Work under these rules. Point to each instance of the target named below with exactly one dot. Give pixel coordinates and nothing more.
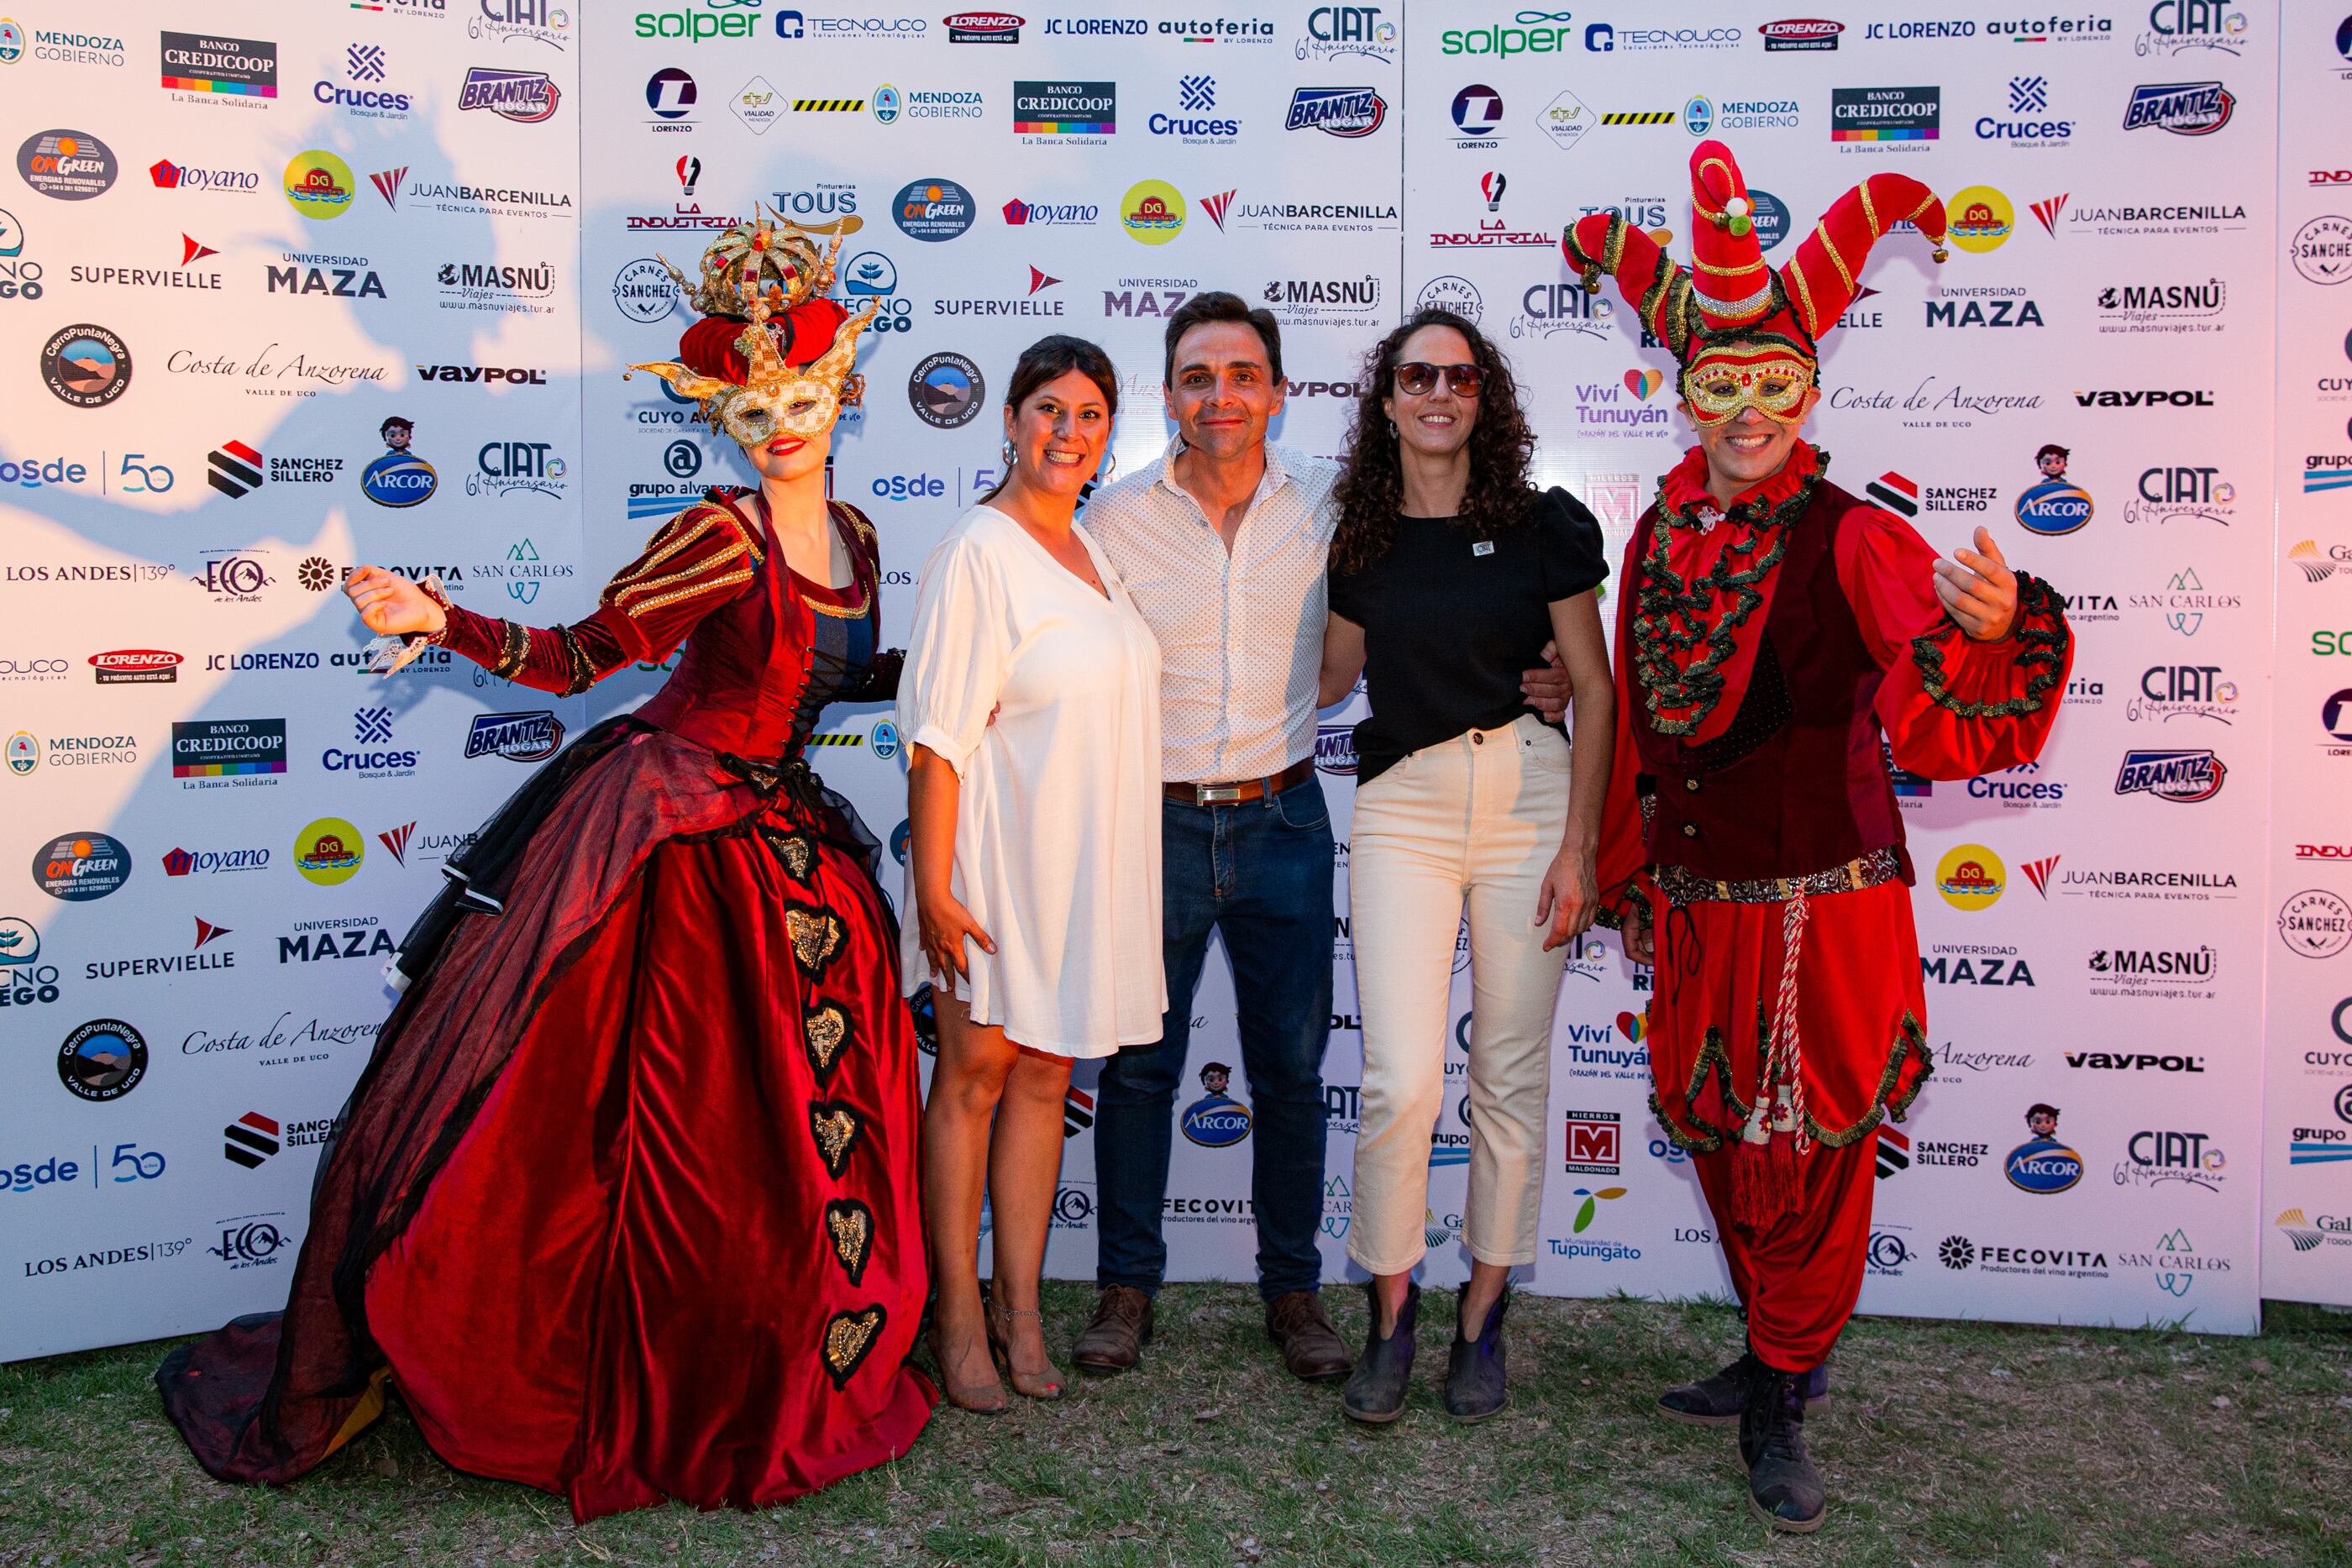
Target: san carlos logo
(2042, 1165)
(1216, 1120)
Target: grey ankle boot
(1475, 1386)
(1375, 1389)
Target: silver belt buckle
(1215, 794)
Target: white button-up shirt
(1241, 632)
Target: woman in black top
(1449, 574)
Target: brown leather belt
(1243, 790)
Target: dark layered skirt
(625, 1204)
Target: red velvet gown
(1797, 641)
(624, 1203)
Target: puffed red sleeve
(1952, 706)
(701, 560)
(1623, 862)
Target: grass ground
(1945, 1443)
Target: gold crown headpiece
(767, 270)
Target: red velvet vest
(1798, 783)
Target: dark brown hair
(1214, 305)
(1371, 488)
(1047, 359)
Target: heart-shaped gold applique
(851, 1225)
(836, 1128)
(849, 1336)
(817, 936)
(826, 1029)
(797, 853)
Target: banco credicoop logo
(1216, 1120)
(2056, 505)
(399, 477)
(2042, 1165)
(102, 1060)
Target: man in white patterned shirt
(1223, 544)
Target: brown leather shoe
(1113, 1339)
(1311, 1347)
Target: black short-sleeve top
(1454, 614)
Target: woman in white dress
(1031, 703)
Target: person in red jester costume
(1771, 629)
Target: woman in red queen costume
(1771, 630)
(624, 1203)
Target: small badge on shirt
(1484, 547)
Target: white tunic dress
(1057, 820)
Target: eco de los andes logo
(102, 1060)
(79, 867)
(85, 365)
(1216, 1120)
(2042, 1165)
(399, 477)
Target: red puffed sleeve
(701, 560)
(1624, 864)
(1952, 708)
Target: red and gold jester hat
(772, 352)
(1745, 334)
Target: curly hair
(1370, 487)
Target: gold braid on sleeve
(583, 668)
(514, 650)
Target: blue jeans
(1261, 873)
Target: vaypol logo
(1216, 1120)
(2042, 1165)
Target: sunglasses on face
(1415, 379)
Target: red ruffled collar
(1686, 497)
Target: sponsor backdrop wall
(309, 289)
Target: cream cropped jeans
(1477, 819)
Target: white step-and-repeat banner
(299, 291)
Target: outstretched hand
(391, 605)
(1979, 590)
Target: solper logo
(1971, 877)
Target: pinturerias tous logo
(1216, 1120)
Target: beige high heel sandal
(1029, 1385)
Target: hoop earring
(1108, 466)
(1012, 458)
(1395, 433)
